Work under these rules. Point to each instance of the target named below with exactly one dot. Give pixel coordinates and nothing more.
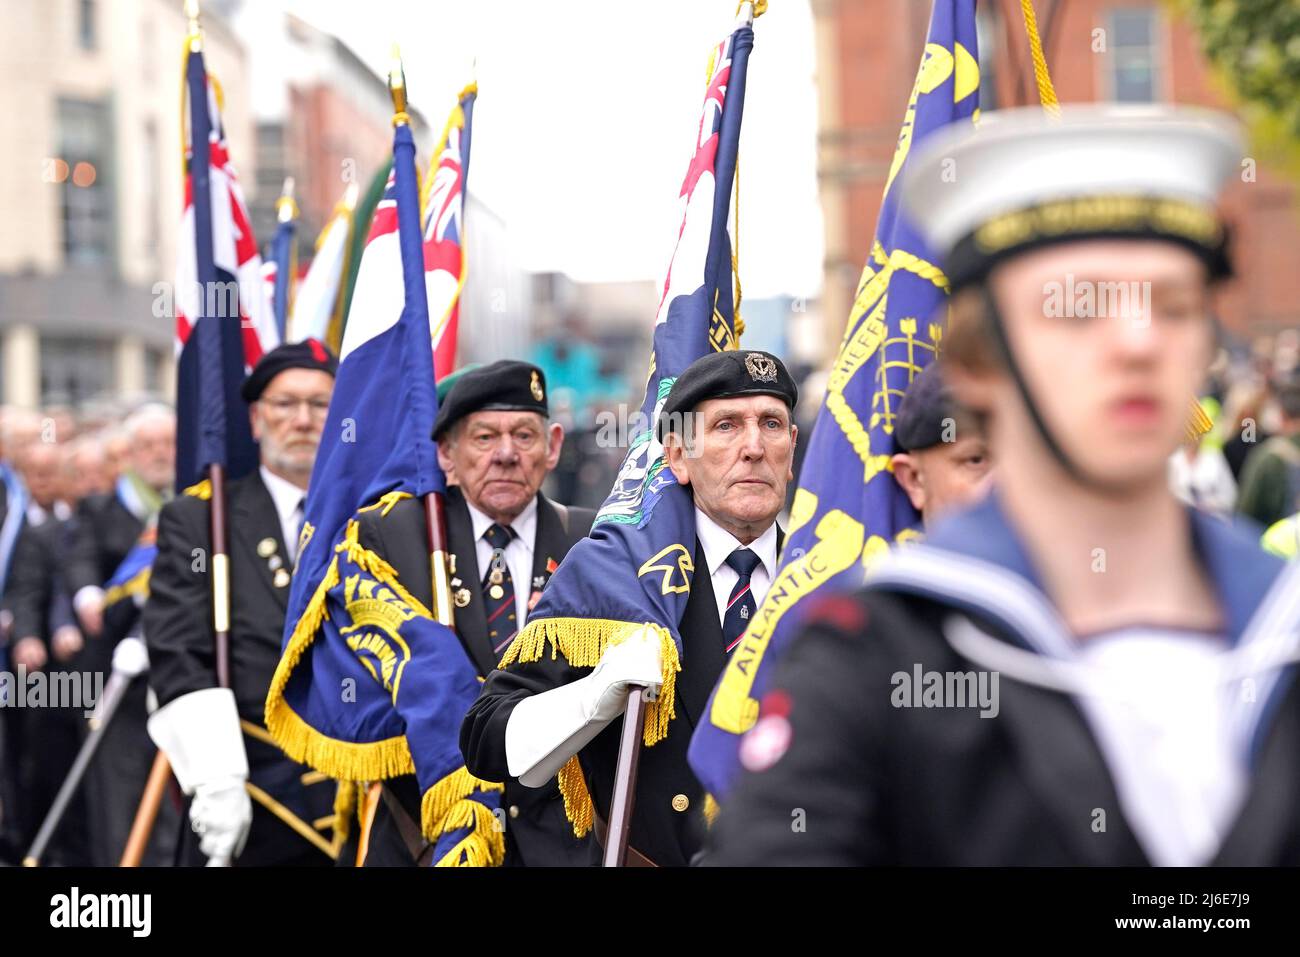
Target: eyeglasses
(283, 406)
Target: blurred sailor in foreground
(1079, 670)
(213, 736)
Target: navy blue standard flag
(369, 685)
(637, 565)
(848, 508)
(223, 325)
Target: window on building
(86, 24)
(85, 143)
(151, 173)
(155, 370)
(75, 371)
(1134, 66)
(986, 30)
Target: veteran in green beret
(496, 445)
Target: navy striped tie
(500, 610)
(741, 605)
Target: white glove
(199, 732)
(131, 657)
(547, 729)
(634, 661)
(220, 815)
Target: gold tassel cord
(345, 806)
(1046, 91)
(578, 807)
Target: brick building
(1097, 50)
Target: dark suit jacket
(178, 630)
(668, 824)
(37, 592)
(106, 531)
(537, 832)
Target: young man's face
(1113, 338)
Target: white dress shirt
(288, 499)
(1164, 729)
(36, 515)
(718, 543)
(518, 554)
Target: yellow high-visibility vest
(1283, 538)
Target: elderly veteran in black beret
(727, 434)
(214, 737)
(944, 461)
(496, 445)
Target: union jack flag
(234, 248)
(444, 211)
(224, 320)
(379, 283)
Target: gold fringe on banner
(710, 809)
(483, 846)
(582, 642)
(577, 799)
(446, 806)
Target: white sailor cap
(1022, 179)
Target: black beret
(926, 404)
(721, 375)
(308, 354)
(504, 385)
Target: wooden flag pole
(154, 788)
(629, 759)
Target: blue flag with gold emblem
(848, 507)
(369, 685)
(636, 566)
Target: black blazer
(537, 832)
(37, 592)
(668, 824)
(178, 630)
(106, 531)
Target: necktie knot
(743, 561)
(498, 535)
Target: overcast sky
(585, 119)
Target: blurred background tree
(1254, 46)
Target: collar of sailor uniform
(980, 544)
(975, 563)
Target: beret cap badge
(760, 367)
(535, 386)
